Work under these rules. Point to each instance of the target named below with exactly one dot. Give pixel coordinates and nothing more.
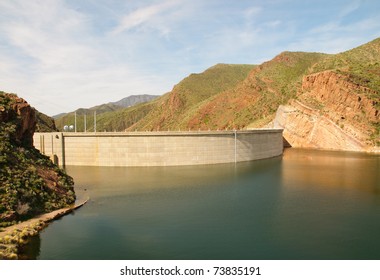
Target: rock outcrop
(330, 112)
(25, 116)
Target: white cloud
(337, 25)
(325, 28)
(46, 31)
(252, 12)
(55, 62)
(274, 23)
(353, 24)
(349, 8)
(84, 53)
(148, 15)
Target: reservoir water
(304, 205)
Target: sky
(61, 55)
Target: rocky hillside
(253, 102)
(338, 104)
(222, 97)
(30, 183)
(175, 110)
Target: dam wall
(159, 148)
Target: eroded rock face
(331, 112)
(27, 122)
(341, 95)
(306, 128)
(24, 116)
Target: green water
(305, 205)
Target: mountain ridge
(132, 100)
(252, 102)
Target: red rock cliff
(331, 112)
(25, 117)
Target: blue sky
(64, 54)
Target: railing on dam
(159, 148)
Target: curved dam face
(159, 148)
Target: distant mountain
(134, 100)
(68, 118)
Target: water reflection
(32, 250)
(112, 181)
(308, 204)
(327, 170)
(332, 200)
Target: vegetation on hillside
(30, 183)
(69, 118)
(45, 123)
(122, 119)
(172, 110)
(254, 101)
(216, 79)
(361, 65)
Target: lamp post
(95, 121)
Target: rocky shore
(13, 238)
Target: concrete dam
(159, 148)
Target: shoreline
(15, 236)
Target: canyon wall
(331, 112)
